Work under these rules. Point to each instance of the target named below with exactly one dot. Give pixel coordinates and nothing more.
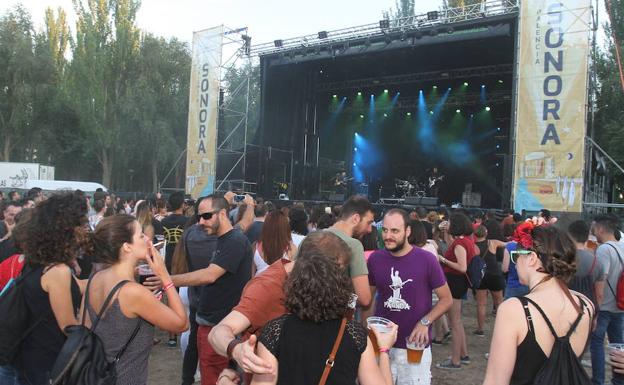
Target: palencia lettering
(553, 61)
(203, 109)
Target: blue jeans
(611, 324)
(8, 375)
(518, 291)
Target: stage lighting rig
(384, 24)
(322, 35)
(433, 15)
(279, 43)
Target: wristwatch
(425, 322)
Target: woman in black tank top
(51, 236)
(525, 329)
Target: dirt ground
(166, 363)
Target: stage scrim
(203, 112)
(551, 104)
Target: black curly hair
(55, 230)
(318, 289)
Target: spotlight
(458, 111)
(449, 88)
(433, 15)
(359, 93)
(354, 164)
(279, 43)
(409, 114)
(435, 87)
(385, 91)
(420, 91)
(482, 85)
(497, 164)
(372, 95)
(361, 117)
(466, 84)
(498, 146)
(335, 96)
(498, 129)
(322, 35)
(356, 134)
(355, 149)
(487, 109)
(385, 115)
(431, 112)
(384, 24)
(500, 82)
(321, 71)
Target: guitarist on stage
(433, 185)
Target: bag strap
(107, 301)
(329, 363)
(550, 326)
(134, 334)
(578, 318)
(620, 258)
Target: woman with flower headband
(525, 329)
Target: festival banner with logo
(551, 104)
(201, 155)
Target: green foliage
(96, 104)
(610, 95)
(235, 99)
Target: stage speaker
(471, 199)
(421, 201)
(336, 198)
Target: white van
(49, 186)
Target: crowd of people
(259, 293)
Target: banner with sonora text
(551, 104)
(201, 155)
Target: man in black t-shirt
(422, 216)
(173, 226)
(255, 230)
(223, 280)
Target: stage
(387, 110)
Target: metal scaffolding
(232, 125)
(411, 24)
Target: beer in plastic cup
(381, 325)
(414, 351)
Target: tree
(610, 96)
(16, 78)
(101, 73)
(159, 103)
(403, 8)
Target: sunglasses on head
(205, 216)
(516, 253)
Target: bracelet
(168, 286)
(231, 346)
(384, 350)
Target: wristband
(231, 346)
(168, 286)
(384, 350)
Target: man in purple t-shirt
(405, 277)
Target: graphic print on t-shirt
(396, 303)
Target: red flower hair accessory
(522, 235)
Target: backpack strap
(552, 329)
(134, 334)
(527, 314)
(107, 301)
(620, 259)
(578, 318)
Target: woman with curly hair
(525, 328)
(51, 239)
(318, 294)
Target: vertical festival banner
(551, 104)
(201, 154)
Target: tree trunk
(154, 176)
(6, 151)
(107, 169)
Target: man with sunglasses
(222, 280)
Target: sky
(267, 20)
